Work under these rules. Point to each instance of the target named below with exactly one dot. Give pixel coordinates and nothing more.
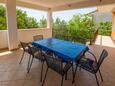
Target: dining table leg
(74, 72)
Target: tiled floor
(14, 74)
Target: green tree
(43, 22)
(105, 25)
(81, 26)
(56, 24)
(105, 28)
(60, 28)
(2, 18)
(23, 20)
(31, 23)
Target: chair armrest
(93, 55)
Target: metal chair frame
(25, 50)
(53, 64)
(39, 56)
(94, 70)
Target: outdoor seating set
(60, 56)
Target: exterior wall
(104, 13)
(109, 9)
(113, 26)
(102, 17)
(106, 8)
(3, 39)
(113, 35)
(25, 35)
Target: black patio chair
(37, 55)
(92, 66)
(25, 50)
(37, 37)
(56, 65)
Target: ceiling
(59, 5)
(52, 3)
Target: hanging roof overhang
(60, 5)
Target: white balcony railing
(25, 35)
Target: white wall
(25, 35)
(102, 17)
(3, 39)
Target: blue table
(68, 51)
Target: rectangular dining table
(66, 50)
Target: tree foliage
(2, 18)
(80, 26)
(105, 25)
(60, 28)
(43, 22)
(105, 28)
(23, 20)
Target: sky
(67, 15)
(63, 15)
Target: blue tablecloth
(68, 51)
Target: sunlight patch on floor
(5, 53)
(104, 41)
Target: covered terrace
(13, 74)
(14, 36)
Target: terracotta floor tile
(32, 82)
(14, 74)
(12, 83)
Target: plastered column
(11, 24)
(49, 19)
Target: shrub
(105, 28)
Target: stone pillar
(49, 21)
(11, 24)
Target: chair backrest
(24, 45)
(37, 37)
(33, 50)
(103, 55)
(57, 64)
(50, 61)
